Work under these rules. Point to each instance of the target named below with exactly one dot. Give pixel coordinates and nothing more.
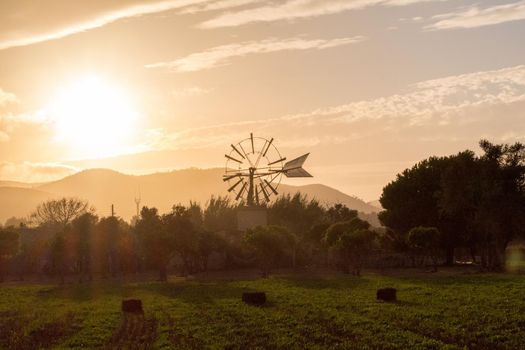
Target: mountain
(376, 204)
(18, 184)
(328, 195)
(103, 188)
(19, 202)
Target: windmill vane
(254, 168)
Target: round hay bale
(254, 298)
(133, 306)
(386, 294)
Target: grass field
(317, 311)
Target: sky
(368, 87)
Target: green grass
(434, 311)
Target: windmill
(254, 169)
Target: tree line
(65, 237)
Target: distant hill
(376, 204)
(19, 202)
(18, 184)
(103, 187)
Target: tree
(270, 243)
(499, 215)
(59, 255)
(57, 214)
(9, 245)
(207, 243)
(459, 199)
(355, 247)
(340, 212)
(82, 230)
(158, 245)
(353, 241)
(60, 212)
(413, 199)
(109, 231)
(298, 215)
(425, 241)
(180, 226)
(220, 215)
(474, 202)
(16, 222)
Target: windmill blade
(294, 168)
(229, 177)
(234, 159)
(241, 191)
(251, 137)
(236, 150)
(277, 161)
(235, 185)
(271, 187)
(266, 196)
(267, 147)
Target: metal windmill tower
(254, 168)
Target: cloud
(440, 97)
(218, 5)
(7, 98)
(190, 92)
(34, 172)
(22, 38)
(297, 9)
(461, 107)
(221, 55)
(474, 16)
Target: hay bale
(386, 294)
(254, 298)
(133, 306)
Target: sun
(93, 117)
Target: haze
(368, 87)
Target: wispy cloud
(218, 5)
(478, 17)
(297, 9)
(99, 19)
(221, 55)
(437, 98)
(34, 172)
(448, 104)
(7, 97)
(190, 92)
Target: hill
(19, 202)
(376, 204)
(18, 184)
(103, 187)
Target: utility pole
(112, 210)
(137, 203)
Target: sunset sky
(367, 86)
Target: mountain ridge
(104, 187)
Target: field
(315, 310)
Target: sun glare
(93, 117)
